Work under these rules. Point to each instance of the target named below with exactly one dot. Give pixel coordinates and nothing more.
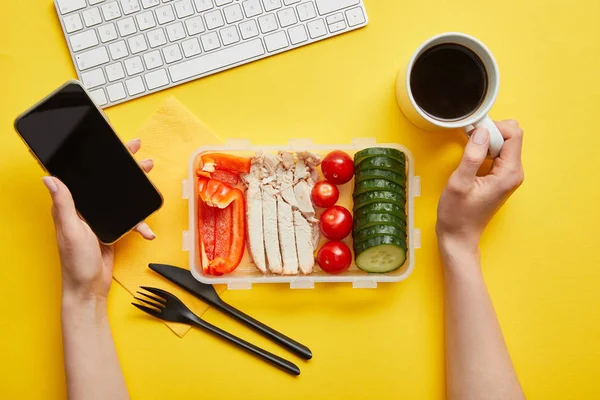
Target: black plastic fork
(167, 307)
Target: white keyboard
(123, 49)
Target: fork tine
(148, 310)
(158, 306)
(156, 299)
(158, 292)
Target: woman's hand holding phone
(87, 264)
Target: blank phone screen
(73, 141)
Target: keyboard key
(114, 72)
(271, 5)
(252, 8)
(156, 79)
(298, 34)
(203, 5)
(107, 32)
(194, 25)
(111, 11)
(172, 53)
(130, 6)
(99, 97)
(217, 60)
(327, 6)
(290, 2)
(286, 17)
(191, 47)
(210, 41)
(175, 31)
(67, 6)
(126, 26)
(135, 86)
(165, 14)
(222, 2)
(146, 20)
(83, 40)
(355, 16)
(73, 23)
(93, 78)
(184, 8)
(233, 13)
(249, 29)
(94, 2)
(306, 11)
(153, 60)
(317, 28)
(332, 19)
(92, 17)
(150, 3)
(137, 44)
(338, 26)
(116, 92)
(118, 50)
(229, 35)
(214, 19)
(91, 58)
(134, 66)
(157, 38)
(276, 41)
(268, 23)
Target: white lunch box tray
(246, 273)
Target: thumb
(475, 153)
(63, 207)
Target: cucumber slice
(367, 174)
(373, 185)
(375, 219)
(380, 255)
(386, 208)
(380, 196)
(379, 162)
(379, 230)
(379, 151)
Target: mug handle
(496, 138)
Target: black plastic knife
(207, 293)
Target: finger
(147, 165)
(63, 207)
(145, 231)
(134, 145)
(513, 144)
(474, 155)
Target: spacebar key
(216, 60)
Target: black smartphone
(73, 141)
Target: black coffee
(449, 81)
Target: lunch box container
(246, 273)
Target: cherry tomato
(334, 257)
(338, 167)
(336, 223)
(324, 194)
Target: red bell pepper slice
(228, 162)
(225, 176)
(228, 263)
(224, 223)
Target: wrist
(81, 309)
(458, 252)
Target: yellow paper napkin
(169, 137)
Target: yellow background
(540, 253)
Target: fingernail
(50, 184)
(480, 136)
(147, 231)
(137, 140)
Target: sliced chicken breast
(287, 237)
(270, 230)
(256, 239)
(284, 176)
(304, 243)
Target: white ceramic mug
(479, 117)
